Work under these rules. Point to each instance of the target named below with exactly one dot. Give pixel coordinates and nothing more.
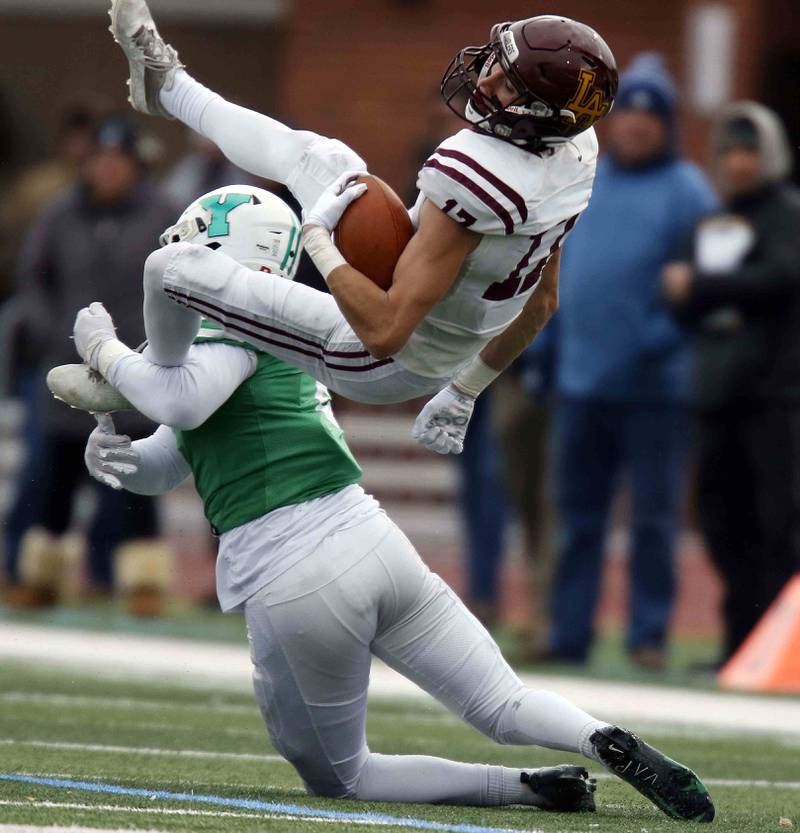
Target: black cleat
(562, 789)
(671, 786)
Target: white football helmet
(250, 225)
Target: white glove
(108, 454)
(93, 327)
(332, 202)
(442, 424)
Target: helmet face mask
(249, 224)
(563, 71)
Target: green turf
(56, 707)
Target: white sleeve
(161, 466)
(186, 395)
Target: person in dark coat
(90, 242)
(622, 369)
(740, 294)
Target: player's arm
(151, 466)
(183, 396)
(385, 319)
(503, 349)
(441, 425)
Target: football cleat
(151, 61)
(562, 789)
(85, 389)
(671, 786)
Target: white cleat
(152, 62)
(80, 387)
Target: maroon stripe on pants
(194, 304)
(179, 296)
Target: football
(373, 231)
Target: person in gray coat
(89, 243)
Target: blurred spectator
(522, 400)
(622, 368)
(201, 170)
(36, 186)
(482, 503)
(90, 244)
(741, 293)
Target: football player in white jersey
(324, 578)
(479, 278)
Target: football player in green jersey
(323, 576)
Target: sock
(547, 719)
(427, 780)
(256, 143)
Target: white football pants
(312, 632)
(293, 322)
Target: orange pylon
(769, 659)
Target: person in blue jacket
(622, 368)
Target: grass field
(119, 737)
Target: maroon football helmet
(563, 71)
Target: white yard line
(195, 663)
(248, 756)
(124, 702)
(725, 782)
(155, 811)
(36, 828)
(144, 750)
(169, 811)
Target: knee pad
(156, 265)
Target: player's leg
(310, 632)
(436, 642)
(305, 162)
(170, 328)
(289, 320)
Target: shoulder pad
(468, 177)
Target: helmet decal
(509, 46)
(252, 226)
(587, 104)
(220, 206)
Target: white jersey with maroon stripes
(523, 205)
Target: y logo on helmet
(219, 225)
(587, 103)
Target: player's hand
(333, 201)
(109, 455)
(93, 327)
(442, 424)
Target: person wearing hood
(740, 294)
(622, 369)
(90, 241)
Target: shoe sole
(671, 786)
(103, 399)
(137, 82)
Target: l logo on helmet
(219, 225)
(587, 103)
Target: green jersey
(274, 443)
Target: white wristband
(322, 250)
(108, 353)
(476, 376)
